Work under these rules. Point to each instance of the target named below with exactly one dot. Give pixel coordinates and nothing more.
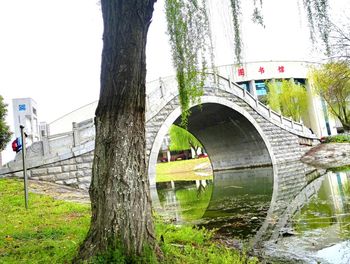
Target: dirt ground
(59, 192)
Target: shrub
(342, 138)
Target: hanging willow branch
(318, 20)
(317, 16)
(257, 16)
(190, 39)
(236, 12)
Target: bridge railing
(277, 118)
(56, 147)
(165, 89)
(81, 133)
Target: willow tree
(181, 139)
(120, 199)
(190, 40)
(331, 82)
(287, 98)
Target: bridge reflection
(236, 198)
(249, 204)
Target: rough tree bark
(119, 191)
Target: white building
(253, 77)
(25, 114)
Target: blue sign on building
(21, 107)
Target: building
(253, 77)
(25, 114)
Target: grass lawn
(50, 232)
(182, 170)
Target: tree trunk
(119, 191)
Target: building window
(244, 85)
(261, 88)
(34, 111)
(300, 81)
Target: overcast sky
(50, 50)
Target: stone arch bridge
(236, 129)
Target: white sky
(50, 49)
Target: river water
(238, 203)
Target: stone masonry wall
(75, 172)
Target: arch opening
(230, 139)
(239, 153)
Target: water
(238, 203)
(322, 226)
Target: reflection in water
(322, 225)
(236, 204)
(184, 201)
(240, 201)
(329, 208)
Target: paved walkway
(59, 192)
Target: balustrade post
(46, 146)
(161, 87)
(76, 139)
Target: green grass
(341, 138)
(191, 245)
(51, 231)
(182, 170)
(48, 232)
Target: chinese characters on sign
(240, 71)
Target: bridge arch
(255, 137)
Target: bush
(342, 138)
